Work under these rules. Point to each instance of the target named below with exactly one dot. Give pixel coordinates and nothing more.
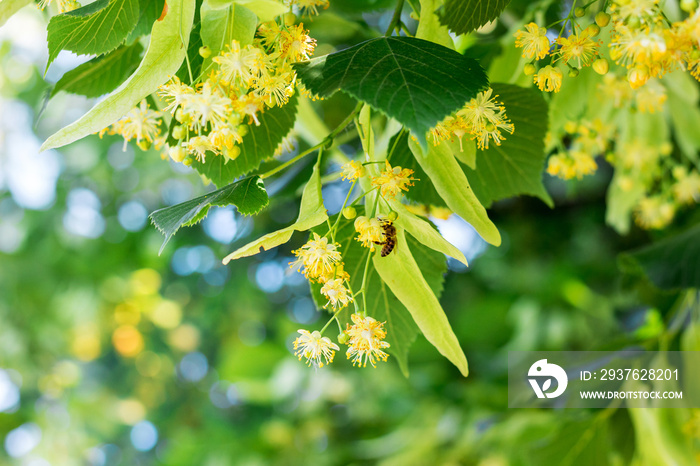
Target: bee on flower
(370, 231)
(393, 180)
(366, 341)
(318, 350)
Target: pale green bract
(164, 56)
(311, 213)
(404, 278)
(453, 186)
(10, 7)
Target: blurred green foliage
(120, 356)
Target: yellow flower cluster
(588, 139)
(648, 45)
(213, 115)
(142, 124)
(366, 341)
(483, 118)
(63, 6)
(393, 180)
(308, 7)
(370, 231)
(315, 348)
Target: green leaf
(311, 213)
(404, 277)
(452, 185)
(517, 165)
(670, 263)
(195, 59)
(266, 10)
(248, 195)
(429, 27)
(149, 12)
(102, 74)
(162, 59)
(220, 26)
(259, 144)
(97, 28)
(412, 80)
(10, 7)
(361, 6)
(382, 304)
(463, 16)
(423, 191)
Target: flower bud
(601, 66)
(349, 213)
(144, 144)
(592, 30)
(289, 19)
(393, 215)
(573, 72)
(205, 51)
(602, 19)
(177, 153)
(232, 153)
(179, 132)
(343, 338)
(529, 69)
(579, 12)
(688, 5)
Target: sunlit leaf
(248, 195)
(10, 7)
(311, 213)
(412, 80)
(452, 185)
(162, 59)
(516, 166)
(259, 144)
(101, 75)
(94, 29)
(463, 16)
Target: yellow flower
(686, 189)
(574, 164)
(370, 230)
(207, 106)
(336, 293)
(549, 79)
(63, 6)
(441, 213)
(579, 48)
(392, 181)
(317, 256)
(353, 170)
(140, 123)
(249, 104)
(239, 66)
(650, 98)
(533, 40)
(296, 44)
(654, 212)
(366, 341)
(485, 118)
(174, 93)
(198, 146)
(315, 348)
(275, 89)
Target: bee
(389, 242)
